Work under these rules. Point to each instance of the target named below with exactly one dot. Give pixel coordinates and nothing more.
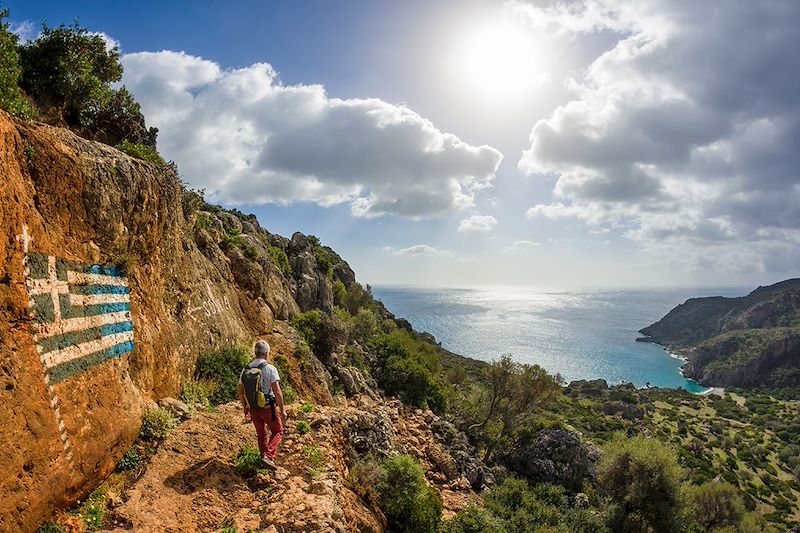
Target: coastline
(709, 390)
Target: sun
(500, 58)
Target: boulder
(625, 410)
(371, 433)
(555, 455)
(176, 407)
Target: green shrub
(12, 99)
(223, 367)
(324, 261)
(715, 504)
(141, 151)
(157, 423)
(306, 407)
(247, 460)
(544, 507)
(473, 519)
(202, 222)
(129, 461)
(280, 260)
(199, 391)
(365, 326)
(289, 394)
(409, 504)
(232, 237)
(303, 427)
(642, 478)
(339, 293)
(316, 460)
(308, 325)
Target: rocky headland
(750, 341)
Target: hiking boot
(269, 463)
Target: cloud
(522, 245)
(685, 131)
(477, 223)
(245, 137)
(418, 250)
(25, 30)
(110, 42)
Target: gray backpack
(252, 379)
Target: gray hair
(261, 348)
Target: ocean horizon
(580, 334)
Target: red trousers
(263, 419)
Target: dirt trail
(192, 485)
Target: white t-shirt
(268, 376)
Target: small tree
(642, 478)
(514, 392)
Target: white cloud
(246, 138)
(685, 132)
(25, 30)
(110, 42)
(477, 223)
(418, 250)
(522, 245)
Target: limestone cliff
(743, 342)
(113, 278)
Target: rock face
(113, 279)
(743, 342)
(558, 456)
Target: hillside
(751, 341)
(387, 430)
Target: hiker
(262, 400)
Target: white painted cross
(51, 286)
(25, 238)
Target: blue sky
(549, 144)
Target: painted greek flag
(81, 314)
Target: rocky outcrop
(737, 342)
(113, 278)
(555, 455)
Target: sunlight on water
(581, 335)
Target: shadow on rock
(210, 472)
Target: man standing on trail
(262, 400)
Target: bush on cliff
(410, 505)
(323, 333)
(223, 367)
(141, 151)
(279, 258)
(406, 367)
(642, 480)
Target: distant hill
(751, 341)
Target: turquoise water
(581, 335)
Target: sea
(578, 334)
